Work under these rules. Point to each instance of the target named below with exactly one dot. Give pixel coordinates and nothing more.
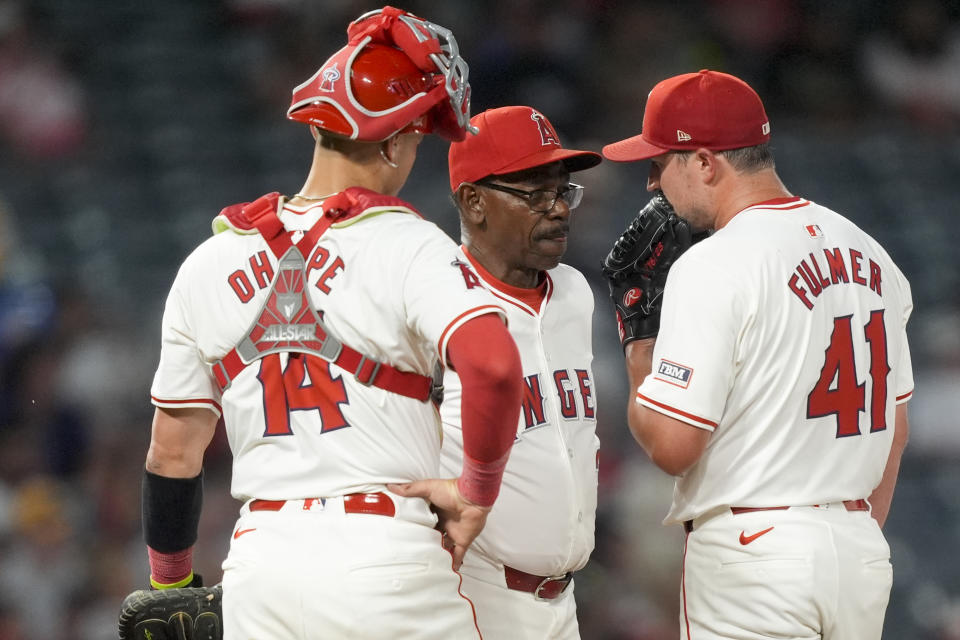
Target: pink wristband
(170, 568)
(479, 482)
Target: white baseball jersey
(784, 335)
(389, 284)
(543, 519)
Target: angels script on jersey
(833, 266)
(533, 411)
(261, 272)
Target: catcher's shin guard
(189, 613)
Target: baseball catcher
(187, 613)
(637, 266)
(327, 484)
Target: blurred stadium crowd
(126, 126)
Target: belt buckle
(222, 376)
(547, 580)
(358, 375)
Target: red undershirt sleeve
(485, 357)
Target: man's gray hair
(750, 159)
(744, 159)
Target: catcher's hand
(637, 267)
(189, 613)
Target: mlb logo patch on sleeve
(673, 373)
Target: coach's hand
(459, 519)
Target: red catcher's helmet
(398, 73)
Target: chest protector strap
(288, 322)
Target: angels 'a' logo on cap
(547, 134)
(683, 136)
(330, 76)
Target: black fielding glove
(187, 613)
(637, 265)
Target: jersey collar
(781, 204)
(531, 297)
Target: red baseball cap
(709, 109)
(511, 139)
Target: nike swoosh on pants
(745, 539)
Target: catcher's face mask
(397, 74)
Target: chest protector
(287, 320)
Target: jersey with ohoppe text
(543, 519)
(387, 283)
(784, 333)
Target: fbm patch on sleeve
(673, 373)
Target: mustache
(554, 233)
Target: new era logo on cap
(709, 109)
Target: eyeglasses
(543, 200)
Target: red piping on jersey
(905, 396)
(677, 411)
(161, 401)
(683, 584)
(532, 297)
(301, 210)
(514, 302)
(473, 609)
(550, 289)
(777, 203)
(487, 308)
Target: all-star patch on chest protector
(287, 322)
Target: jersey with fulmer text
(784, 333)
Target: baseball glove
(189, 613)
(636, 268)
